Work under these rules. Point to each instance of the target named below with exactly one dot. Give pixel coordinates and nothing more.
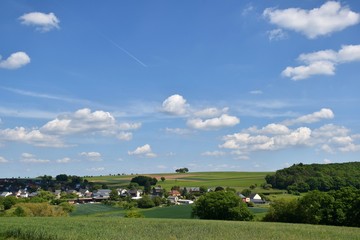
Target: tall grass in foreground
(119, 228)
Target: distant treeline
(336, 207)
(323, 177)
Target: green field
(121, 228)
(238, 180)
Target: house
(193, 190)
(122, 192)
(102, 194)
(173, 199)
(5, 194)
(57, 194)
(174, 193)
(85, 193)
(185, 201)
(243, 198)
(135, 194)
(255, 198)
(157, 191)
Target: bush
(145, 202)
(221, 205)
(133, 214)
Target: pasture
(71, 228)
(237, 180)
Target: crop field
(238, 180)
(64, 228)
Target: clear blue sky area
(107, 87)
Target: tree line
(322, 177)
(336, 207)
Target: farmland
(237, 180)
(122, 228)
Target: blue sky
(96, 88)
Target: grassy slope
(237, 180)
(120, 228)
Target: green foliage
(246, 192)
(36, 210)
(339, 207)
(84, 228)
(8, 202)
(145, 202)
(323, 177)
(67, 207)
(114, 195)
(133, 214)
(143, 180)
(221, 205)
(182, 170)
(162, 179)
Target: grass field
(121, 228)
(238, 180)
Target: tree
(61, 178)
(141, 180)
(221, 205)
(162, 179)
(246, 192)
(114, 195)
(145, 202)
(182, 170)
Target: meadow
(71, 228)
(237, 180)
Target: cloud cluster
(3, 160)
(330, 17)
(42, 21)
(210, 118)
(30, 158)
(143, 151)
(322, 62)
(92, 156)
(329, 138)
(15, 60)
(83, 121)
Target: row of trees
(336, 207)
(323, 177)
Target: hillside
(238, 180)
(323, 177)
(119, 228)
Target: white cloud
(15, 60)
(125, 136)
(30, 158)
(330, 17)
(92, 156)
(42, 21)
(324, 113)
(34, 137)
(3, 160)
(303, 72)
(322, 62)
(179, 131)
(272, 128)
(276, 34)
(214, 153)
(327, 161)
(144, 151)
(224, 120)
(175, 105)
(211, 112)
(64, 160)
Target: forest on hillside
(322, 177)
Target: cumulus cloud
(330, 17)
(210, 112)
(83, 121)
(92, 156)
(15, 60)
(144, 151)
(30, 158)
(3, 160)
(42, 21)
(322, 62)
(256, 92)
(96, 169)
(224, 120)
(175, 105)
(324, 113)
(33, 136)
(179, 131)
